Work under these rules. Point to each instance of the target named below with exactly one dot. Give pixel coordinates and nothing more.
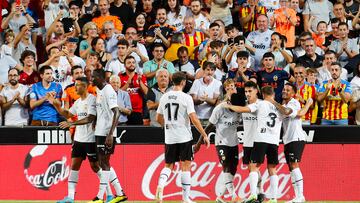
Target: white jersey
(16, 114)
(201, 22)
(269, 122)
(270, 5)
(84, 108)
(261, 42)
(115, 66)
(177, 21)
(292, 124)
(106, 99)
(250, 124)
(226, 123)
(175, 106)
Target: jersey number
(168, 107)
(272, 116)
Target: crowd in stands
(47, 44)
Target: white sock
(260, 188)
(253, 176)
(274, 184)
(186, 184)
(299, 183)
(104, 181)
(228, 179)
(222, 184)
(113, 179)
(164, 175)
(292, 175)
(72, 181)
(108, 188)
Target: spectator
(205, 92)
(283, 57)
(339, 13)
(260, 39)
(311, 77)
(70, 59)
(335, 94)
(334, 34)
(249, 14)
(305, 91)
(123, 100)
(300, 48)
(284, 20)
(98, 45)
(355, 99)
(351, 8)
(322, 10)
(123, 11)
(17, 17)
(242, 74)
(214, 30)
(344, 47)
(155, 93)
(231, 32)
(324, 71)
(161, 32)
(175, 14)
(111, 38)
(92, 63)
(70, 22)
(135, 84)
(136, 48)
(150, 67)
(116, 65)
(193, 37)
(201, 21)
(28, 75)
(141, 25)
(7, 47)
(23, 42)
(44, 114)
(176, 41)
(52, 8)
(14, 101)
(310, 59)
(104, 6)
(320, 34)
(55, 32)
(89, 33)
(220, 10)
(273, 76)
(299, 28)
(146, 7)
(270, 6)
(7, 62)
(239, 44)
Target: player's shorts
(261, 149)
(293, 151)
(100, 145)
(247, 155)
(83, 150)
(178, 152)
(228, 155)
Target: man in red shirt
(28, 76)
(136, 85)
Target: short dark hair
(182, 49)
(230, 27)
(157, 45)
(303, 34)
(239, 38)
(25, 54)
(100, 72)
(268, 55)
(334, 20)
(160, 9)
(328, 52)
(128, 58)
(214, 25)
(83, 79)
(177, 37)
(344, 24)
(51, 48)
(267, 90)
(215, 44)
(123, 42)
(321, 22)
(336, 64)
(94, 41)
(178, 77)
(293, 86)
(250, 84)
(211, 65)
(18, 72)
(42, 69)
(74, 68)
(242, 54)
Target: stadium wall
(36, 163)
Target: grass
(46, 201)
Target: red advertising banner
(40, 172)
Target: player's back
(269, 123)
(250, 123)
(292, 124)
(175, 106)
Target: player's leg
(273, 160)
(246, 161)
(222, 156)
(186, 156)
(231, 171)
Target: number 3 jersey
(269, 122)
(175, 106)
(226, 123)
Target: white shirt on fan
(106, 100)
(269, 122)
(84, 108)
(226, 123)
(292, 124)
(250, 124)
(16, 114)
(177, 22)
(201, 22)
(175, 106)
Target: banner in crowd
(39, 172)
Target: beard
(13, 82)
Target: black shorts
(228, 155)
(178, 152)
(83, 150)
(247, 155)
(261, 149)
(100, 145)
(293, 151)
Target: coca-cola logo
(55, 172)
(207, 174)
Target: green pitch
(26, 201)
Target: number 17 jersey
(269, 122)
(175, 106)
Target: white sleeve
(253, 107)
(189, 104)
(160, 109)
(73, 108)
(195, 87)
(294, 107)
(111, 97)
(216, 114)
(92, 106)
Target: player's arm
(210, 127)
(160, 119)
(282, 109)
(322, 95)
(66, 124)
(305, 109)
(195, 120)
(238, 109)
(109, 137)
(57, 104)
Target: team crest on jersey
(180, 16)
(275, 78)
(266, 38)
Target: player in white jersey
(108, 113)
(174, 113)
(84, 140)
(266, 141)
(294, 137)
(225, 122)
